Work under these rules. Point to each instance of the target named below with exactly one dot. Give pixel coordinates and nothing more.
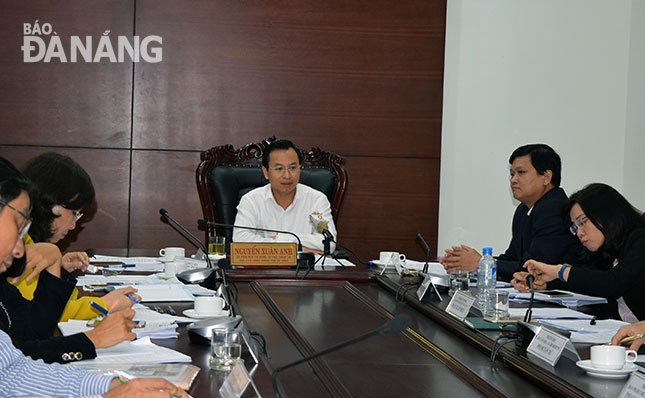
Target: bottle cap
(488, 250)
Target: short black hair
(609, 211)
(543, 158)
(12, 184)
(60, 181)
(281, 145)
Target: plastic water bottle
(486, 281)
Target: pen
(131, 297)
(171, 310)
(630, 338)
(157, 308)
(99, 308)
(120, 266)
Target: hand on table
(115, 328)
(144, 388)
(75, 260)
(117, 300)
(460, 258)
(630, 330)
(520, 284)
(541, 271)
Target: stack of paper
(139, 351)
(575, 300)
(141, 264)
(548, 313)
(331, 262)
(584, 331)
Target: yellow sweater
(76, 308)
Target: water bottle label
(494, 273)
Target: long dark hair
(59, 181)
(610, 212)
(12, 184)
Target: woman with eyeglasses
(63, 190)
(612, 232)
(21, 375)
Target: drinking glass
(226, 349)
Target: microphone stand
(227, 297)
(425, 244)
(529, 312)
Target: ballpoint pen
(171, 310)
(630, 338)
(131, 297)
(99, 308)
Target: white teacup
(391, 258)
(174, 267)
(208, 305)
(171, 253)
(611, 356)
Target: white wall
(634, 172)
(537, 71)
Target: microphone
(395, 325)
(425, 244)
(206, 223)
(328, 238)
(530, 279)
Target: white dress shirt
(259, 209)
(21, 376)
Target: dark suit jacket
(543, 236)
(31, 324)
(625, 280)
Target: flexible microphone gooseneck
(205, 223)
(425, 244)
(529, 279)
(164, 213)
(395, 325)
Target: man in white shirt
(284, 204)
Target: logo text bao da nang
(42, 44)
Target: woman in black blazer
(612, 232)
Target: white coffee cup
(174, 267)
(391, 258)
(171, 253)
(208, 305)
(611, 356)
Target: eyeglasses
(77, 215)
(22, 232)
(578, 223)
(281, 169)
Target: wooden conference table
(437, 356)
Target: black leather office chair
(225, 174)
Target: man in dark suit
(540, 230)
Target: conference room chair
(225, 174)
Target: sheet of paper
(141, 264)
(331, 262)
(582, 331)
(164, 292)
(139, 351)
(117, 280)
(574, 300)
(549, 313)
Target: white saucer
(628, 369)
(192, 314)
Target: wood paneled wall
(362, 78)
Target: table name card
(264, 254)
(460, 304)
(635, 386)
(236, 382)
(547, 345)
